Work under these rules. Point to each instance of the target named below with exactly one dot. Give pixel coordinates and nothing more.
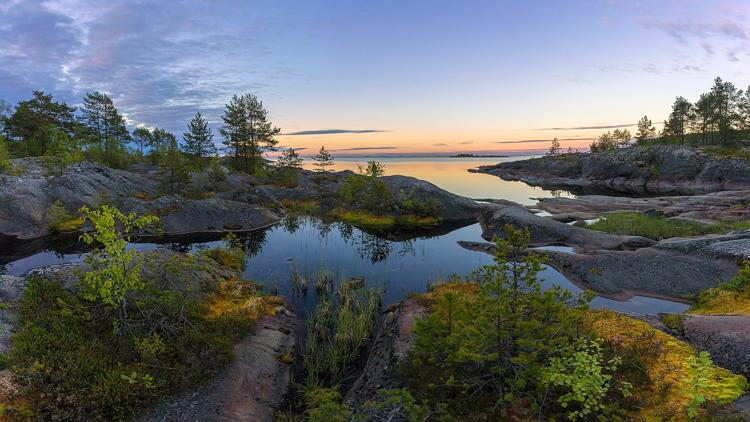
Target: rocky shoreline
(637, 170)
(240, 203)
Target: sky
(379, 77)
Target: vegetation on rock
(657, 227)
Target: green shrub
(410, 204)
(324, 405)
(584, 378)
(365, 192)
(5, 165)
(113, 274)
(231, 254)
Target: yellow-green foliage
(364, 219)
(324, 405)
(241, 297)
(304, 206)
(656, 227)
(666, 358)
(60, 220)
(732, 297)
(231, 255)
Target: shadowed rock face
(636, 170)
(391, 347)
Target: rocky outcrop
(250, 388)
(545, 231)
(240, 203)
(178, 215)
(391, 347)
(725, 337)
(674, 268)
(25, 199)
(452, 207)
(637, 169)
(706, 208)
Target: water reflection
(298, 249)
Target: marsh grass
(337, 332)
(657, 227)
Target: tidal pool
(396, 265)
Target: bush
(365, 192)
(5, 165)
(410, 204)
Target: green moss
(364, 219)
(61, 221)
(305, 206)
(731, 297)
(657, 227)
(665, 360)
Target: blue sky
(411, 76)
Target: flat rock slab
(725, 337)
(545, 231)
(250, 388)
(711, 207)
(620, 275)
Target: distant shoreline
(477, 156)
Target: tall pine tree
(106, 125)
(199, 140)
(677, 124)
(247, 131)
(34, 122)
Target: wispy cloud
(332, 132)
(590, 127)
(683, 30)
(363, 148)
(440, 144)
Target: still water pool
(397, 266)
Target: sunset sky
(374, 77)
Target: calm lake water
(452, 175)
(397, 267)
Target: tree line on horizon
(97, 131)
(719, 118)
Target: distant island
(477, 156)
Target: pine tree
(646, 130)
(554, 149)
(141, 137)
(701, 117)
(677, 124)
(199, 140)
(725, 111)
(323, 159)
(247, 131)
(289, 158)
(173, 170)
(106, 124)
(34, 121)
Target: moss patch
(665, 365)
(364, 219)
(304, 206)
(68, 225)
(729, 298)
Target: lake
(397, 267)
(452, 175)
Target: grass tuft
(657, 228)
